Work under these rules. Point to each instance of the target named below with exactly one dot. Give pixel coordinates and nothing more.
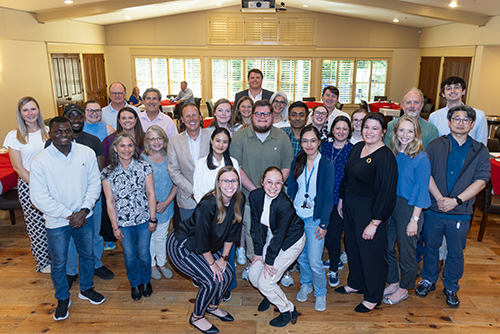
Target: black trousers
(367, 258)
(106, 229)
(333, 238)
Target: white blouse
(28, 151)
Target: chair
(364, 105)
(493, 145)
(10, 201)
(197, 101)
(339, 106)
(309, 99)
(171, 96)
(488, 203)
(381, 98)
(210, 107)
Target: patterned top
(339, 157)
(129, 190)
(326, 135)
(295, 142)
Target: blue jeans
(58, 249)
(311, 265)
(98, 246)
(135, 245)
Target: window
(227, 78)
(269, 68)
(295, 78)
(371, 78)
(167, 74)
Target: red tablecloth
(375, 106)
(207, 121)
(312, 104)
(8, 177)
(495, 176)
(167, 103)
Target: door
(459, 67)
(67, 80)
(95, 78)
(429, 77)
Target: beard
(262, 128)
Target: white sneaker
(155, 273)
(304, 291)
(320, 304)
(333, 278)
(240, 255)
(287, 280)
(46, 270)
(244, 274)
(343, 257)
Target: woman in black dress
(200, 245)
(367, 199)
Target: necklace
(338, 153)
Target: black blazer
(266, 95)
(286, 226)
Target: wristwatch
(226, 258)
(459, 201)
(415, 218)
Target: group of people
(267, 182)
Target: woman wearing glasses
(279, 102)
(199, 247)
(357, 118)
(310, 187)
(93, 124)
(319, 117)
(278, 239)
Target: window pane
(302, 79)
(219, 79)
(345, 79)
(160, 77)
(361, 92)
(236, 77)
(329, 73)
(270, 70)
(287, 78)
(176, 74)
(363, 71)
(143, 73)
(193, 75)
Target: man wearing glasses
(452, 89)
(413, 101)
(256, 148)
(117, 94)
(460, 169)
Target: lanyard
(308, 180)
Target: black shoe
(61, 312)
(424, 288)
(71, 279)
(136, 292)
(361, 308)
(227, 296)
(343, 291)
(147, 290)
(284, 318)
(211, 330)
(451, 298)
(264, 305)
(196, 284)
(92, 296)
(104, 273)
(227, 317)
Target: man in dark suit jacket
(255, 91)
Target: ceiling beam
(446, 14)
(95, 8)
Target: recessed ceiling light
(128, 18)
(305, 6)
(218, 4)
(68, 1)
(395, 20)
(453, 4)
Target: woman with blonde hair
(405, 223)
(155, 152)
(23, 144)
(223, 116)
(135, 99)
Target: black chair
(171, 96)
(9, 201)
(339, 106)
(488, 203)
(197, 101)
(364, 105)
(381, 98)
(493, 145)
(210, 107)
(309, 99)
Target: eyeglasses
(155, 139)
(260, 114)
(457, 120)
(227, 182)
(279, 102)
(270, 183)
(357, 120)
(94, 111)
(117, 93)
(308, 141)
(320, 113)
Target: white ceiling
(412, 13)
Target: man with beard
(152, 114)
(76, 116)
(297, 116)
(413, 101)
(256, 148)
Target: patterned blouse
(129, 190)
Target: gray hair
(284, 113)
(151, 89)
(414, 89)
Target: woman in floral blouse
(130, 197)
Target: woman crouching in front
(278, 239)
(200, 245)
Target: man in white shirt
(452, 89)
(65, 185)
(182, 153)
(254, 91)
(152, 114)
(117, 94)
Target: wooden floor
(27, 299)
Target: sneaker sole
(90, 300)
(333, 285)
(423, 295)
(65, 317)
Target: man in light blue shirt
(185, 95)
(452, 89)
(117, 94)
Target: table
(390, 112)
(495, 176)
(375, 106)
(312, 104)
(207, 121)
(8, 177)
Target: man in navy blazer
(255, 91)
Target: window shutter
(305, 31)
(160, 76)
(270, 33)
(345, 80)
(253, 31)
(143, 73)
